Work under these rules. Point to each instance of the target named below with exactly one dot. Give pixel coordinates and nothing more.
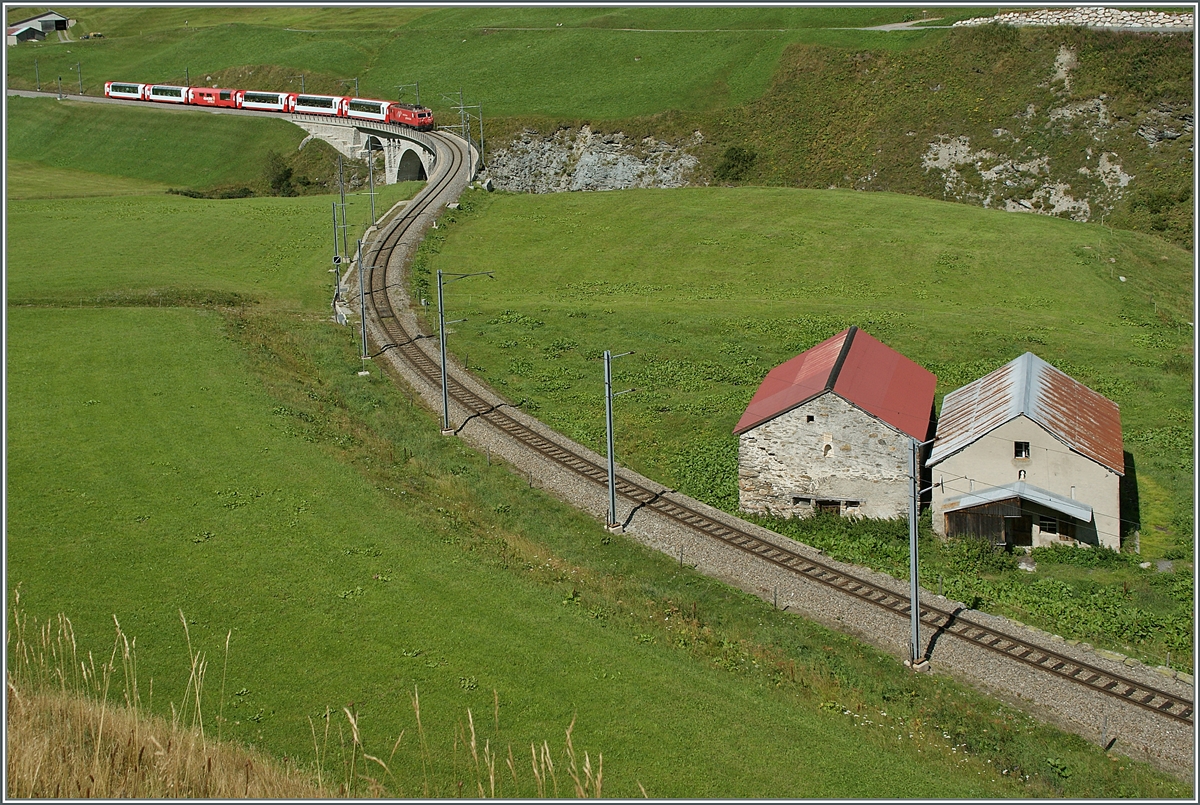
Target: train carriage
(117, 89)
(164, 93)
(265, 101)
(332, 105)
(367, 109)
(204, 96)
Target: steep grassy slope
(713, 287)
(988, 116)
(1086, 124)
(169, 148)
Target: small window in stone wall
(810, 418)
(1020, 449)
(831, 506)
(802, 501)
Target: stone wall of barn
(823, 454)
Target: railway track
(382, 274)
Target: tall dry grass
(67, 738)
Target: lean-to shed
(830, 429)
(1028, 456)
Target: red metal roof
(857, 368)
(1084, 420)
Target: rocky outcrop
(1009, 174)
(1091, 17)
(581, 159)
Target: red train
(404, 114)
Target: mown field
(685, 58)
(712, 288)
(218, 455)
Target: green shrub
(735, 164)
(1095, 557)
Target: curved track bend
(386, 258)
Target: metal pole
(187, 77)
(914, 588)
(608, 421)
(37, 74)
(337, 259)
(481, 135)
(60, 88)
(79, 70)
(362, 304)
(342, 191)
(302, 82)
(371, 179)
(442, 344)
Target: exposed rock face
(585, 160)
(1009, 175)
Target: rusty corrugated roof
(1084, 420)
(857, 368)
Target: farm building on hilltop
(36, 27)
(830, 429)
(1027, 456)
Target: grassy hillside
(228, 462)
(173, 459)
(712, 288)
(171, 148)
(869, 119)
(685, 58)
(1088, 124)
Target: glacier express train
(403, 114)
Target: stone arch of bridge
(407, 155)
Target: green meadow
(188, 435)
(649, 56)
(711, 288)
(230, 465)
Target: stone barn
(830, 429)
(1027, 456)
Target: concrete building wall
(788, 464)
(990, 461)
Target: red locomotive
(403, 114)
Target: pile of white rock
(1091, 17)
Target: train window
(364, 106)
(225, 94)
(307, 100)
(167, 92)
(261, 97)
(130, 88)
